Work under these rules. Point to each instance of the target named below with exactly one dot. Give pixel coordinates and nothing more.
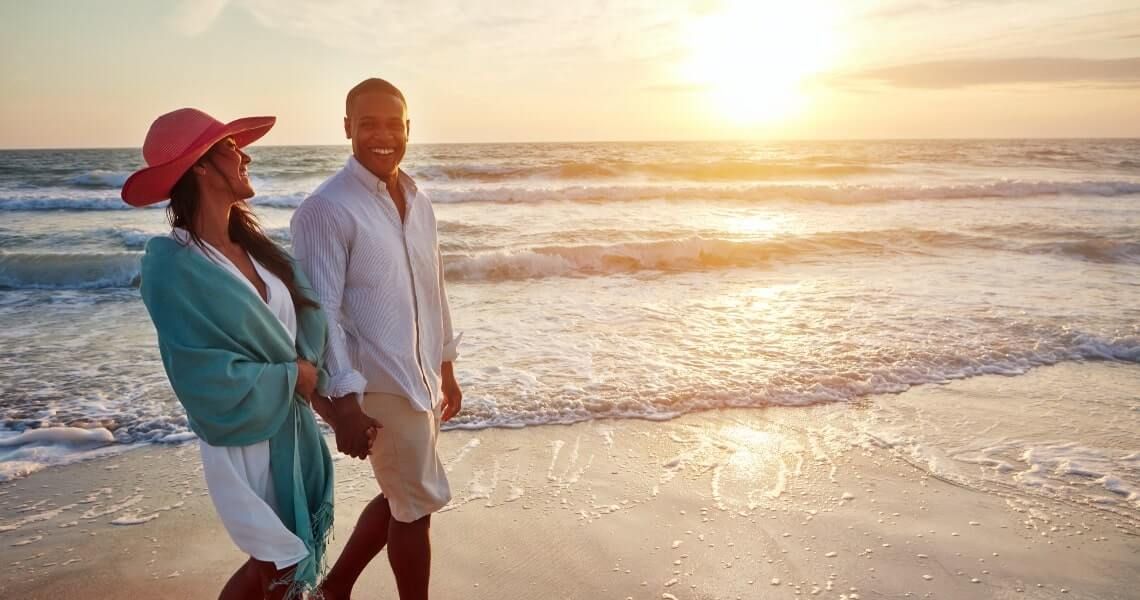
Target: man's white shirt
(380, 283)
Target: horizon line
(649, 141)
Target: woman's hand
(306, 378)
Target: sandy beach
(746, 300)
(763, 503)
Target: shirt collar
(373, 182)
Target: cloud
(945, 74)
(507, 42)
(192, 17)
(343, 24)
(676, 88)
(507, 27)
(932, 8)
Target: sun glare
(752, 57)
(755, 225)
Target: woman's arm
(323, 407)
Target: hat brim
(153, 184)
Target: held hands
(324, 407)
(355, 431)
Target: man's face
(377, 124)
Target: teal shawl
(232, 365)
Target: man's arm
(452, 394)
(322, 250)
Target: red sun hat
(176, 141)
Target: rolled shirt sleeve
(450, 340)
(320, 247)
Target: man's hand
(452, 395)
(354, 430)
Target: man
(367, 239)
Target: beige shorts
(404, 457)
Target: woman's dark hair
(243, 229)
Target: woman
(242, 340)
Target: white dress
(238, 477)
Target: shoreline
(775, 502)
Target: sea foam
(23, 453)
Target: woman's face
(226, 172)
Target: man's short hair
(372, 84)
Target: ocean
(635, 280)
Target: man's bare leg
(409, 553)
(367, 540)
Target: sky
(95, 74)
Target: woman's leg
(255, 581)
(244, 584)
(274, 583)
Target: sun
(752, 57)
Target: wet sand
(733, 504)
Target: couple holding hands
(355, 326)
